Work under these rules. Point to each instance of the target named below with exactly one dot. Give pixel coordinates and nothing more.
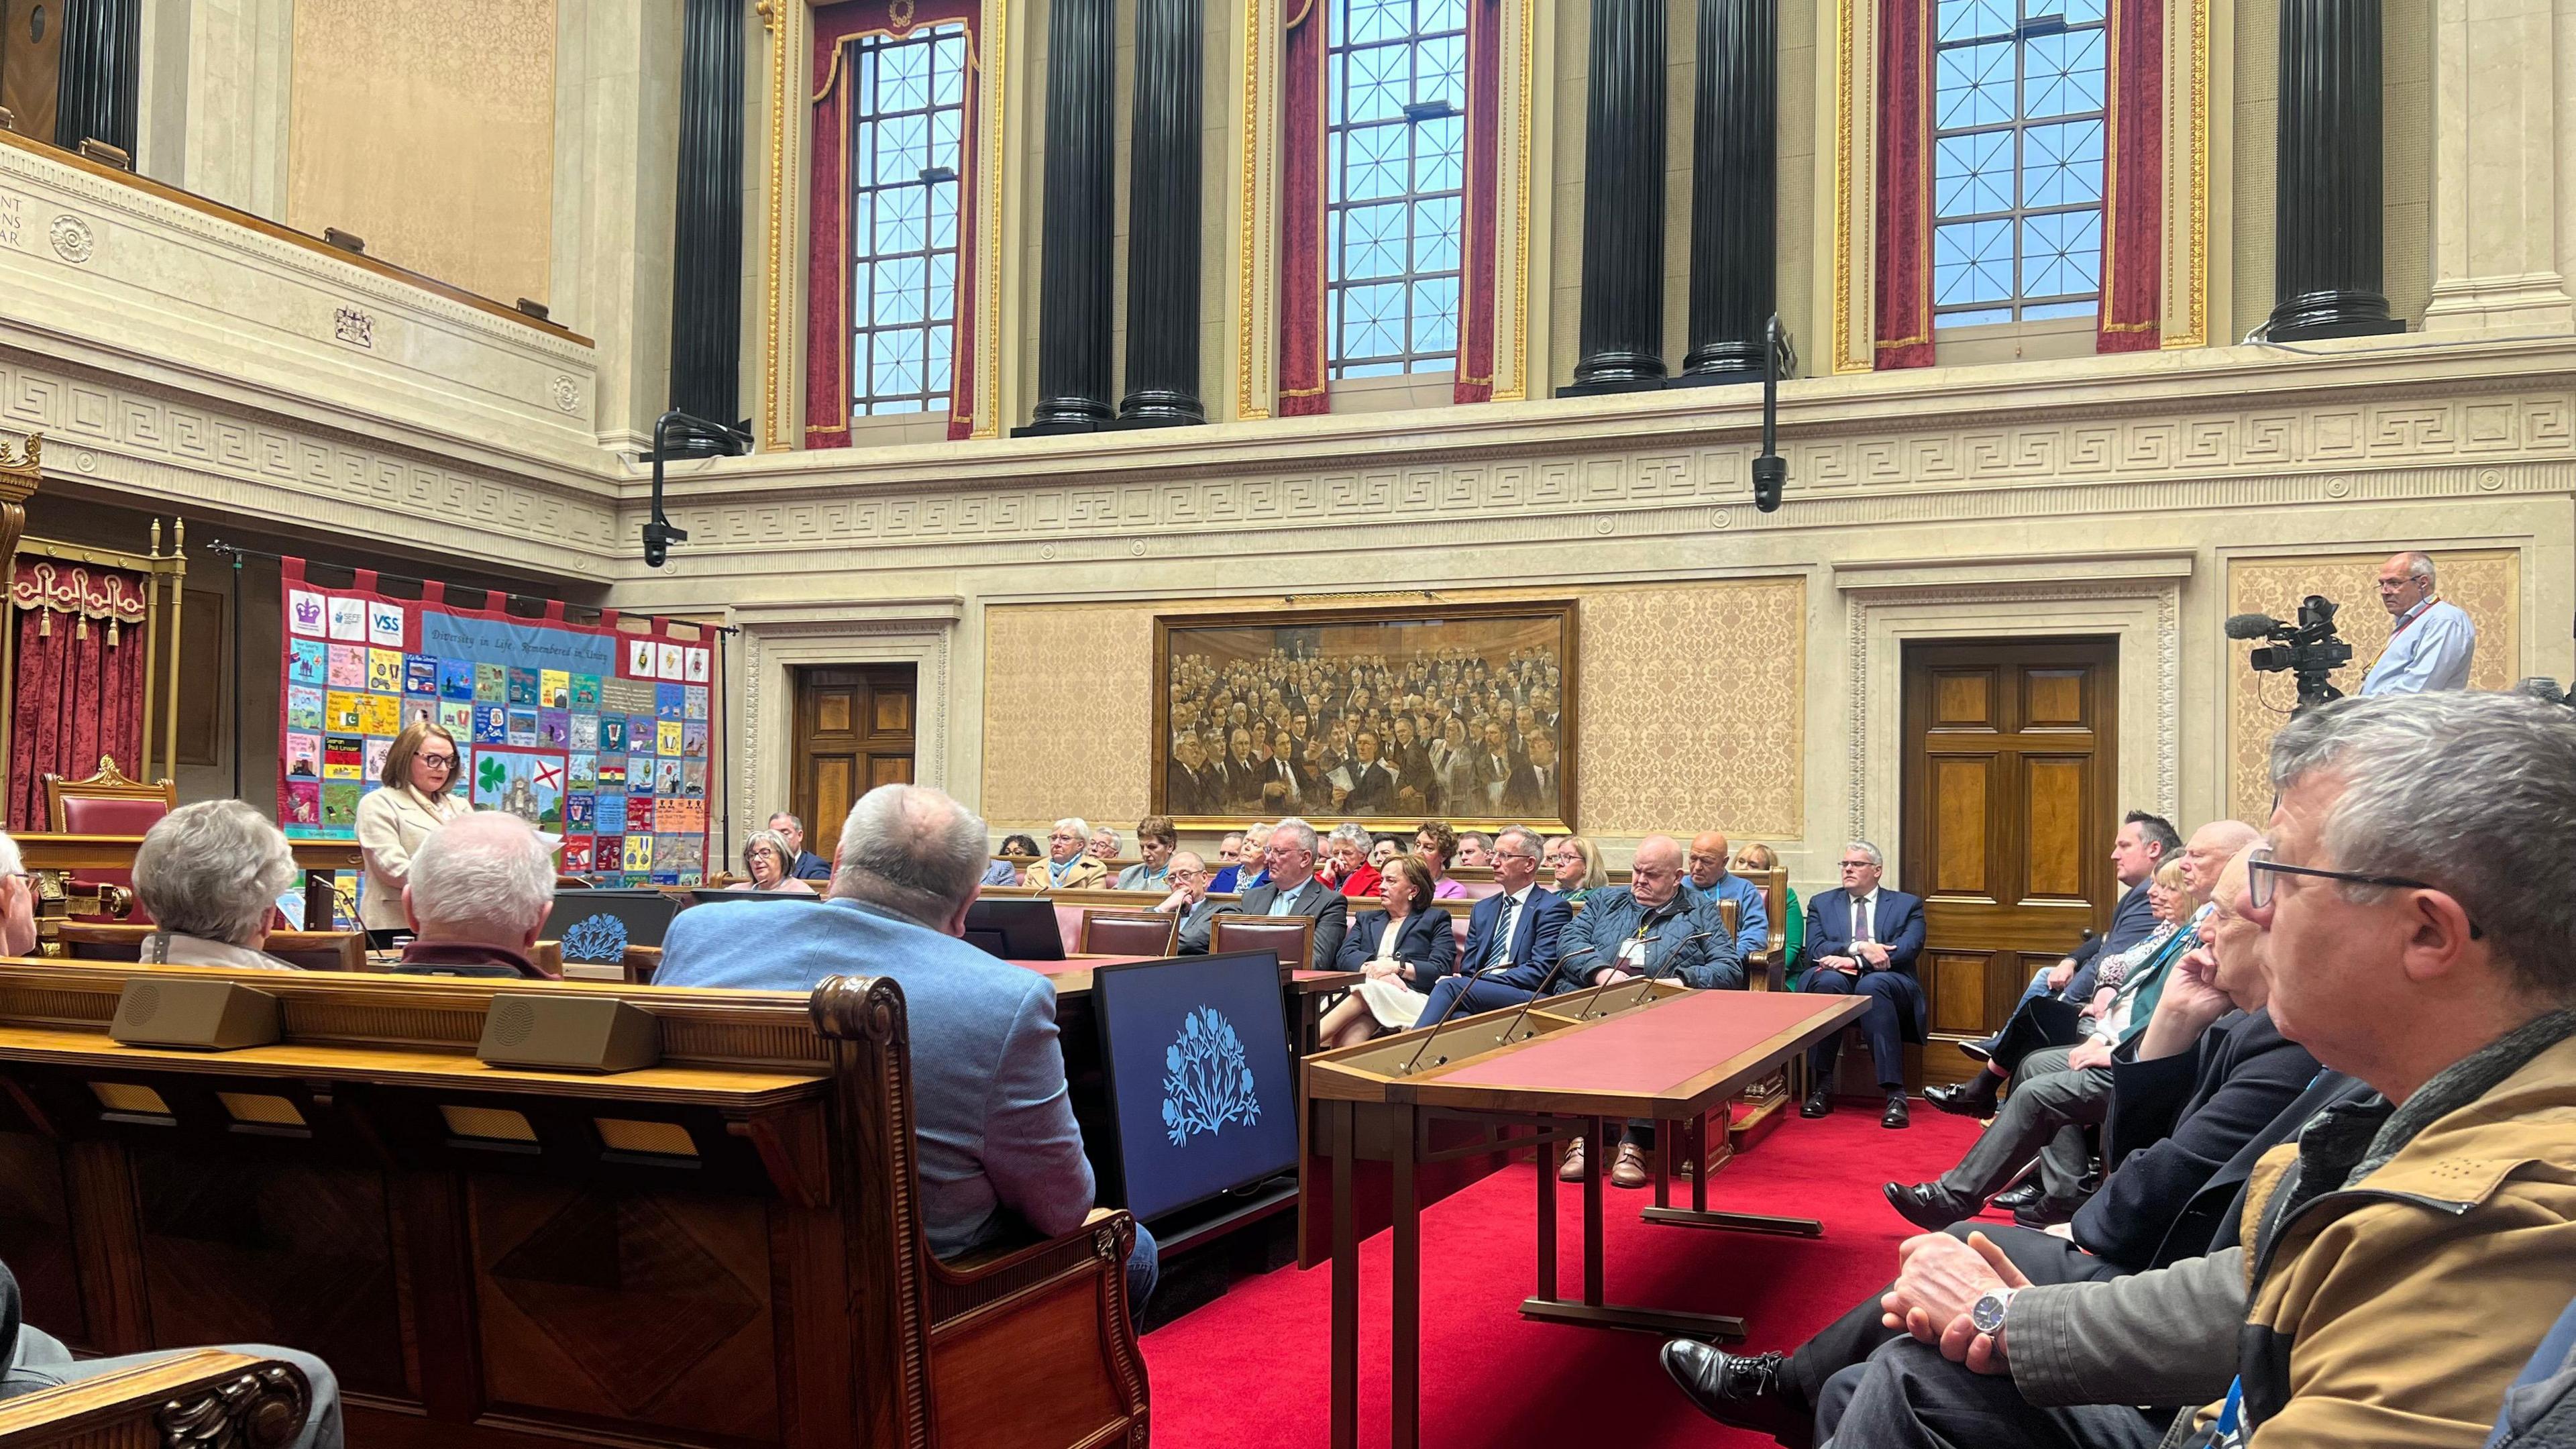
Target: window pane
(2017, 160)
(1394, 182)
(908, 117)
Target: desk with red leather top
(1401, 1122)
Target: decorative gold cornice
(1846, 358)
(2196, 281)
(1247, 247)
(773, 322)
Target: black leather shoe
(1739, 1389)
(1895, 1115)
(2041, 1214)
(1965, 1099)
(1818, 1103)
(2026, 1195)
(1979, 1051)
(1926, 1206)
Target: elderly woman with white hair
(210, 875)
(1069, 865)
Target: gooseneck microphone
(1455, 1002)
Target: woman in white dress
(419, 795)
(1399, 952)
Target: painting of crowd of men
(1455, 717)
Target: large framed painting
(1387, 716)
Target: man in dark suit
(1290, 890)
(807, 865)
(1190, 881)
(1863, 941)
(1283, 770)
(2145, 842)
(1532, 791)
(1372, 789)
(1512, 936)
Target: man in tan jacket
(2401, 1258)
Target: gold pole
(21, 472)
(151, 642)
(178, 574)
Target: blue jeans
(1144, 1269)
(42, 1363)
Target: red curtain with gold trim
(78, 692)
(2133, 180)
(1903, 315)
(1301, 211)
(1477, 283)
(828, 323)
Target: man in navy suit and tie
(1511, 936)
(1863, 941)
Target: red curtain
(79, 686)
(1301, 213)
(1477, 284)
(2133, 179)
(1903, 329)
(828, 323)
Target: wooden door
(2010, 805)
(31, 55)
(853, 733)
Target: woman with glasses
(419, 795)
(1574, 868)
(766, 858)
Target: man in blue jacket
(998, 1143)
(1863, 941)
(1512, 936)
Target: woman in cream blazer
(419, 795)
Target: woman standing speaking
(419, 795)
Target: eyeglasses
(1858, 864)
(2262, 886)
(437, 762)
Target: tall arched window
(1395, 89)
(2020, 89)
(907, 120)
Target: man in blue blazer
(990, 1106)
(1863, 941)
(1511, 936)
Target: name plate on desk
(569, 1033)
(201, 1015)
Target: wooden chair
(311, 950)
(1293, 937)
(1129, 933)
(572, 883)
(206, 1396)
(107, 803)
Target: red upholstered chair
(1129, 933)
(108, 803)
(1293, 937)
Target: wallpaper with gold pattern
(2486, 582)
(1691, 700)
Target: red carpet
(1251, 1370)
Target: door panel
(2010, 755)
(31, 60)
(853, 733)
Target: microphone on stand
(1544, 983)
(1454, 1003)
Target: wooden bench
(208, 1396)
(723, 1248)
(311, 950)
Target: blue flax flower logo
(601, 938)
(1206, 1082)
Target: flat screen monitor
(1194, 1054)
(1015, 930)
(595, 927)
(718, 895)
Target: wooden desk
(67, 853)
(1396, 1124)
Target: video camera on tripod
(2308, 650)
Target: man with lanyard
(1646, 928)
(2432, 642)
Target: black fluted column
(1163, 219)
(706, 243)
(102, 65)
(2326, 279)
(1623, 202)
(1735, 175)
(1073, 276)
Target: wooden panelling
(1955, 983)
(2055, 791)
(31, 62)
(2053, 699)
(893, 712)
(853, 733)
(36, 1235)
(1961, 787)
(832, 711)
(831, 799)
(1963, 697)
(889, 770)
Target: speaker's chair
(107, 803)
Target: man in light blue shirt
(2430, 644)
(991, 1109)
(1711, 882)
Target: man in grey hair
(2431, 642)
(993, 1114)
(807, 865)
(209, 874)
(477, 897)
(2385, 1275)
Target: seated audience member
(1346, 864)
(17, 901)
(1069, 865)
(1863, 941)
(1710, 882)
(1434, 844)
(210, 874)
(1229, 859)
(1513, 937)
(477, 897)
(1155, 841)
(1002, 872)
(1475, 848)
(32, 1360)
(2036, 1025)
(1574, 868)
(1188, 877)
(1754, 858)
(1532, 788)
(2144, 843)
(1246, 871)
(766, 857)
(1384, 849)
(1103, 846)
(808, 865)
(990, 1105)
(2057, 1093)
(1288, 888)
(2404, 1253)
(2213, 1085)
(1400, 950)
(1644, 928)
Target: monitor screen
(1015, 930)
(595, 927)
(1194, 1051)
(718, 895)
